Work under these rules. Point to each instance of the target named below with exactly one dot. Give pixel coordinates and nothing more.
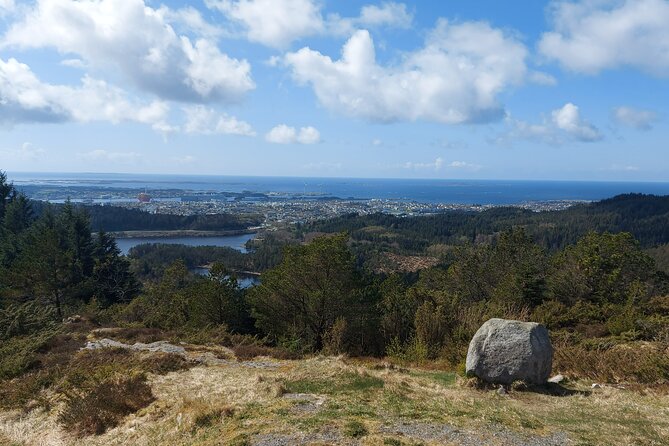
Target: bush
(634, 362)
(413, 351)
(20, 354)
(105, 405)
(334, 340)
(19, 392)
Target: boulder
(503, 351)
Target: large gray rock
(503, 351)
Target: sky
(455, 89)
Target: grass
(347, 383)
(231, 404)
(355, 429)
(445, 379)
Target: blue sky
(422, 89)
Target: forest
(583, 273)
(116, 219)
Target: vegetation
(113, 218)
(643, 216)
(602, 295)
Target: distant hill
(645, 216)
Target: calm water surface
(237, 242)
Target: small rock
(557, 379)
(501, 391)
(596, 386)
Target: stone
(503, 351)
(557, 379)
(159, 346)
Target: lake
(244, 280)
(237, 242)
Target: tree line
(114, 218)
(644, 216)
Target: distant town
(284, 208)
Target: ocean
(495, 192)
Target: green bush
(412, 351)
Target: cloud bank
(455, 78)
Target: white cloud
(636, 118)
(464, 165)
(73, 63)
(437, 164)
(27, 152)
(274, 23)
(139, 42)
(455, 78)
(113, 157)
(568, 118)
(278, 23)
(187, 159)
(190, 19)
(623, 168)
(592, 35)
(6, 6)
(388, 14)
(308, 135)
(565, 124)
(25, 99)
(203, 120)
(541, 78)
(283, 134)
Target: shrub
(335, 337)
(635, 362)
(20, 354)
(144, 335)
(17, 393)
(413, 351)
(105, 405)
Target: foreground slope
(219, 400)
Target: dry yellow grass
(330, 401)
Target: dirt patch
(444, 433)
(305, 402)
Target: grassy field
(332, 400)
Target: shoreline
(180, 233)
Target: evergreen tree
(313, 286)
(112, 280)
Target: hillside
(214, 398)
(644, 216)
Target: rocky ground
(337, 401)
